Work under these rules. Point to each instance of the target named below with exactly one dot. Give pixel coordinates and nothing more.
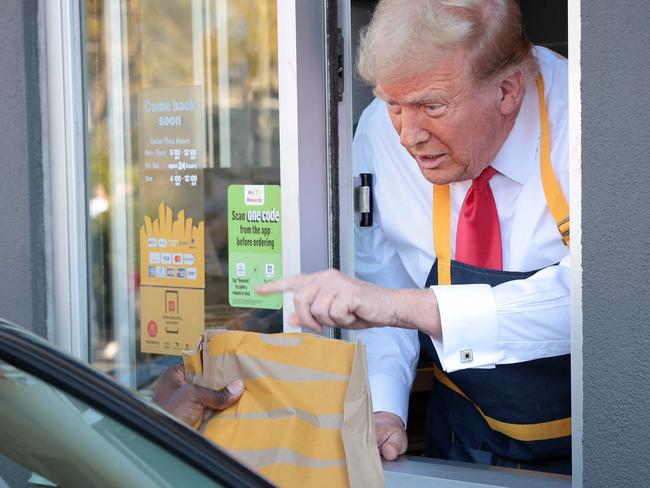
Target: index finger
(291, 283)
(173, 375)
(169, 381)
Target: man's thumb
(394, 446)
(222, 399)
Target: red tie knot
(485, 176)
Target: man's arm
(332, 298)
(517, 321)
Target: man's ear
(511, 91)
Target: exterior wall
(22, 247)
(616, 242)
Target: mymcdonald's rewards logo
(254, 194)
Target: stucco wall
(22, 256)
(616, 241)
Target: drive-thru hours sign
(254, 244)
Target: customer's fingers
(220, 399)
(168, 382)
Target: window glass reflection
(215, 63)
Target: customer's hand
(390, 434)
(187, 402)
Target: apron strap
(553, 429)
(442, 232)
(555, 200)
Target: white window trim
(65, 156)
(346, 170)
(575, 185)
(301, 70)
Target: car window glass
(62, 439)
(13, 474)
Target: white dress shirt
(516, 321)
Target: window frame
(303, 144)
(65, 155)
(301, 70)
(575, 188)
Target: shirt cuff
(389, 395)
(468, 317)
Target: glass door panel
(182, 142)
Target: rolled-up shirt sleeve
(517, 321)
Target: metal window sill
(416, 472)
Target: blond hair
(406, 38)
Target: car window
(62, 439)
(13, 475)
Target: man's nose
(412, 132)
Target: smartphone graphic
(171, 301)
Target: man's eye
(394, 108)
(436, 109)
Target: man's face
(450, 124)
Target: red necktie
(478, 237)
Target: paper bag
(305, 419)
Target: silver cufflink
(466, 355)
